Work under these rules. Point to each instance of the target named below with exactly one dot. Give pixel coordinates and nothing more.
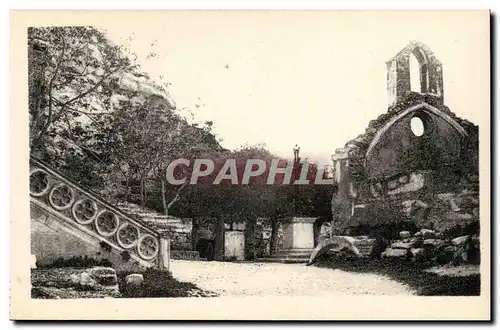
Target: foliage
(78, 262)
(89, 119)
(69, 71)
(158, 284)
(98, 119)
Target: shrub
(157, 283)
(78, 262)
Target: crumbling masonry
(393, 176)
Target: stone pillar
(164, 253)
(342, 197)
(298, 233)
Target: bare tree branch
(177, 196)
(93, 88)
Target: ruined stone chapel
(415, 165)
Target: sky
(312, 78)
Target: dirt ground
(255, 279)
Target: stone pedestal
(164, 253)
(298, 233)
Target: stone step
(294, 252)
(185, 255)
(284, 260)
(291, 255)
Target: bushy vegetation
(158, 284)
(77, 262)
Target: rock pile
(60, 283)
(427, 245)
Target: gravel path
(254, 279)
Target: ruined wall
(393, 175)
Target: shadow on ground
(409, 273)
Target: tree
(142, 136)
(70, 68)
(188, 142)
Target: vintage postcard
(250, 165)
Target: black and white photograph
(252, 154)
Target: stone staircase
(299, 256)
(289, 256)
(69, 221)
(177, 229)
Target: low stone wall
(179, 230)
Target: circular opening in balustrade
(148, 247)
(84, 211)
(106, 223)
(127, 235)
(39, 182)
(61, 197)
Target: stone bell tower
(398, 73)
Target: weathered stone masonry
(389, 174)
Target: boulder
(460, 240)
(428, 233)
(104, 275)
(83, 279)
(134, 280)
(395, 253)
(417, 251)
(434, 242)
(404, 234)
(407, 243)
(402, 245)
(337, 244)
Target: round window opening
(417, 126)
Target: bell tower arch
(399, 75)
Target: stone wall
(179, 230)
